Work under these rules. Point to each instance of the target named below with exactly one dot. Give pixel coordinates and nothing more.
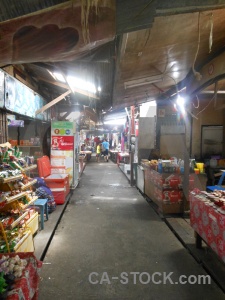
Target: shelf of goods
(30, 169)
(16, 166)
(207, 218)
(18, 222)
(32, 150)
(164, 189)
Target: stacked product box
(165, 189)
(168, 192)
(168, 189)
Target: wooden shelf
(26, 238)
(30, 203)
(17, 221)
(15, 165)
(29, 168)
(11, 178)
(16, 197)
(29, 184)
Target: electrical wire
(211, 33)
(206, 105)
(198, 76)
(197, 104)
(164, 74)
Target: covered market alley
(111, 244)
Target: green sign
(62, 128)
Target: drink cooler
(58, 183)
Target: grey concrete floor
(108, 228)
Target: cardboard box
(168, 196)
(164, 190)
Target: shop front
(37, 171)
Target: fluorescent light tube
(143, 81)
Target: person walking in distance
(105, 145)
(98, 152)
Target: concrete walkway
(110, 244)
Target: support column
(132, 132)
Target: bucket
(200, 166)
(196, 171)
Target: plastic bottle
(160, 169)
(181, 167)
(192, 165)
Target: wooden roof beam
(53, 102)
(76, 90)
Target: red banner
(62, 142)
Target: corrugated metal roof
(10, 9)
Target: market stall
(207, 216)
(19, 219)
(18, 223)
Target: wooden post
(132, 132)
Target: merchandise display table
(123, 157)
(87, 154)
(26, 287)
(113, 155)
(208, 223)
